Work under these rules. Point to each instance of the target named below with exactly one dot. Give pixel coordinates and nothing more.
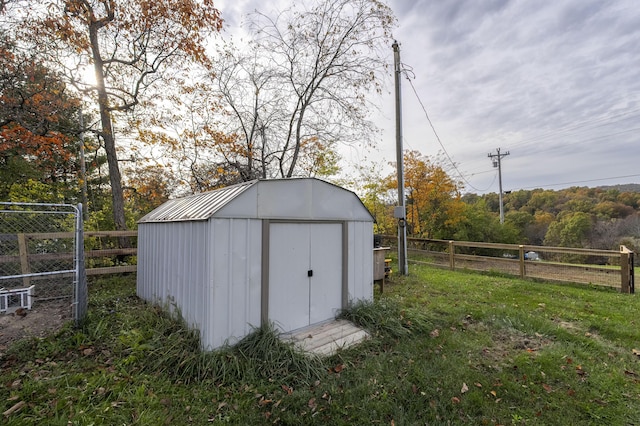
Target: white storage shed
(290, 251)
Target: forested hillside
(574, 217)
(602, 217)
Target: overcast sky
(556, 83)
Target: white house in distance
(290, 251)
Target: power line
(595, 138)
(563, 131)
(575, 128)
(581, 181)
(438, 137)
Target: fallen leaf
(261, 403)
(547, 388)
(464, 389)
(414, 389)
(493, 393)
(287, 389)
(569, 361)
(14, 408)
(338, 368)
(636, 352)
(312, 403)
(478, 385)
(455, 400)
(435, 333)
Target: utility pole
(400, 212)
(497, 163)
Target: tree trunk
(115, 179)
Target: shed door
(305, 273)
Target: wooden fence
(585, 266)
(103, 254)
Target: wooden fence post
(452, 256)
(523, 271)
(23, 249)
(627, 284)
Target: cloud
(555, 82)
(503, 73)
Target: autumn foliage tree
(147, 188)
(136, 49)
(38, 126)
(377, 197)
(434, 205)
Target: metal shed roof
(296, 198)
(196, 207)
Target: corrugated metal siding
(360, 261)
(172, 267)
(211, 269)
(236, 280)
(196, 207)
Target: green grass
(447, 348)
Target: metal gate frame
(80, 297)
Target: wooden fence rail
(587, 266)
(26, 258)
(600, 267)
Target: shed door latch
(310, 273)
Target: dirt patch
(43, 319)
(508, 342)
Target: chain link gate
(42, 256)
